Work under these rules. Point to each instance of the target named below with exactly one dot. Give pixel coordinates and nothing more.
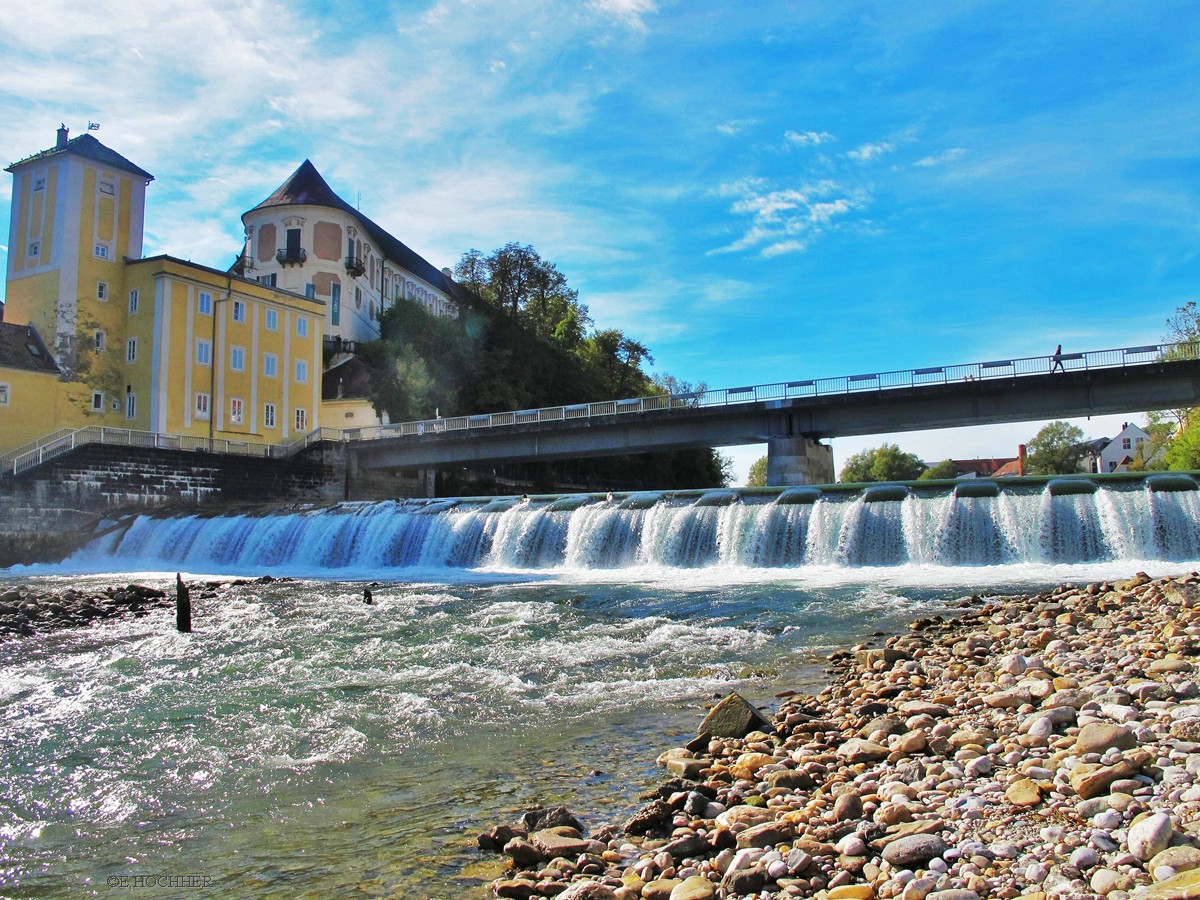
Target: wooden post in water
(183, 605)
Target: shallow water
(300, 741)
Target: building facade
(306, 239)
(159, 345)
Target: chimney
(1020, 459)
(62, 138)
(448, 273)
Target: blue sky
(760, 192)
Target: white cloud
(787, 220)
(867, 152)
(938, 159)
(630, 12)
(735, 127)
(807, 138)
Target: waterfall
(1068, 521)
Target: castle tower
(77, 215)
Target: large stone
(588, 890)
(1097, 737)
(1023, 792)
(686, 767)
(1184, 886)
(857, 750)
(879, 659)
(1091, 779)
(914, 850)
(1150, 836)
(733, 717)
(768, 834)
(792, 779)
(655, 816)
(696, 887)
(1181, 859)
(851, 892)
(560, 841)
(1186, 729)
(660, 889)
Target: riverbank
(1042, 746)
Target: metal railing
(787, 390)
(64, 441)
(60, 442)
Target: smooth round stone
(1085, 858)
(1150, 836)
(914, 850)
(1162, 873)
(852, 845)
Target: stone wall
(46, 511)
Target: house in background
(1118, 453)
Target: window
(270, 365)
(203, 353)
(371, 313)
(302, 371)
(4, 389)
(130, 406)
(235, 410)
(107, 187)
(268, 280)
(239, 311)
(202, 406)
(101, 251)
(269, 415)
(358, 298)
(310, 291)
(204, 303)
(1126, 444)
(301, 420)
(133, 301)
(35, 248)
(100, 339)
(272, 320)
(102, 291)
(237, 359)
(39, 183)
(301, 327)
(131, 350)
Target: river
(300, 741)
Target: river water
(302, 742)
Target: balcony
(291, 256)
(355, 266)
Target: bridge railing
(865, 382)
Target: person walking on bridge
(1057, 357)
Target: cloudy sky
(759, 191)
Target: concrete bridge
(792, 418)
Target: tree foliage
(758, 473)
(884, 463)
(1055, 450)
(521, 341)
(945, 469)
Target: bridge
(793, 417)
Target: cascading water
(1062, 522)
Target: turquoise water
(300, 741)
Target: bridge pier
(798, 460)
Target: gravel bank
(1039, 747)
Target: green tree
(945, 469)
(884, 463)
(758, 473)
(1184, 451)
(1055, 450)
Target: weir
(1060, 520)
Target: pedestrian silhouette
(1057, 357)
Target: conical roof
(306, 187)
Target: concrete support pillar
(798, 460)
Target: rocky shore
(1039, 747)
(28, 609)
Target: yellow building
(156, 345)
